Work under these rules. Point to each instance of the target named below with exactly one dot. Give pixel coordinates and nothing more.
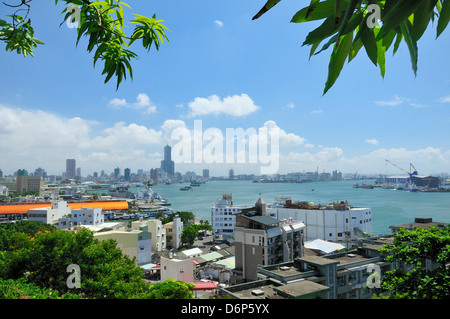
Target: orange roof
(22, 208)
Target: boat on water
(186, 188)
(195, 183)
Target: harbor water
(389, 207)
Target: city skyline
(223, 68)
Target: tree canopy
(35, 260)
(424, 256)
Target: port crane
(410, 173)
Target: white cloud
(445, 99)
(289, 139)
(290, 105)
(236, 105)
(317, 112)
(218, 23)
(142, 102)
(393, 102)
(372, 141)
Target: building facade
(70, 169)
(263, 240)
(337, 222)
(87, 216)
(167, 165)
(223, 217)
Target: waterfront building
(336, 222)
(167, 165)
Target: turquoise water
(389, 207)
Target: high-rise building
(231, 173)
(206, 173)
(127, 175)
(167, 165)
(70, 169)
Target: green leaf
(321, 11)
(411, 43)
(269, 5)
(400, 11)
(422, 17)
(444, 17)
(337, 60)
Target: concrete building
(156, 228)
(87, 216)
(177, 269)
(70, 169)
(264, 240)
(347, 275)
(135, 243)
(337, 222)
(167, 165)
(59, 210)
(28, 184)
(174, 230)
(223, 217)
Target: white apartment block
(336, 222)
(177, 269)
(223, 217)
(87, 216)
(51, 215)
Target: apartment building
(223, 217)
(87, 216)
(174, 230)
(264, 240)
(156, 228)
(346, 275)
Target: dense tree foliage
(425, 255)
(35, 258)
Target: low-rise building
(174, 229)
(58, 211)
(87, 216)
(156, 228)
(135, 243)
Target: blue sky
(228, 71)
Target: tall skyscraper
(167, 165)
(70, 169)
(127, 175)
